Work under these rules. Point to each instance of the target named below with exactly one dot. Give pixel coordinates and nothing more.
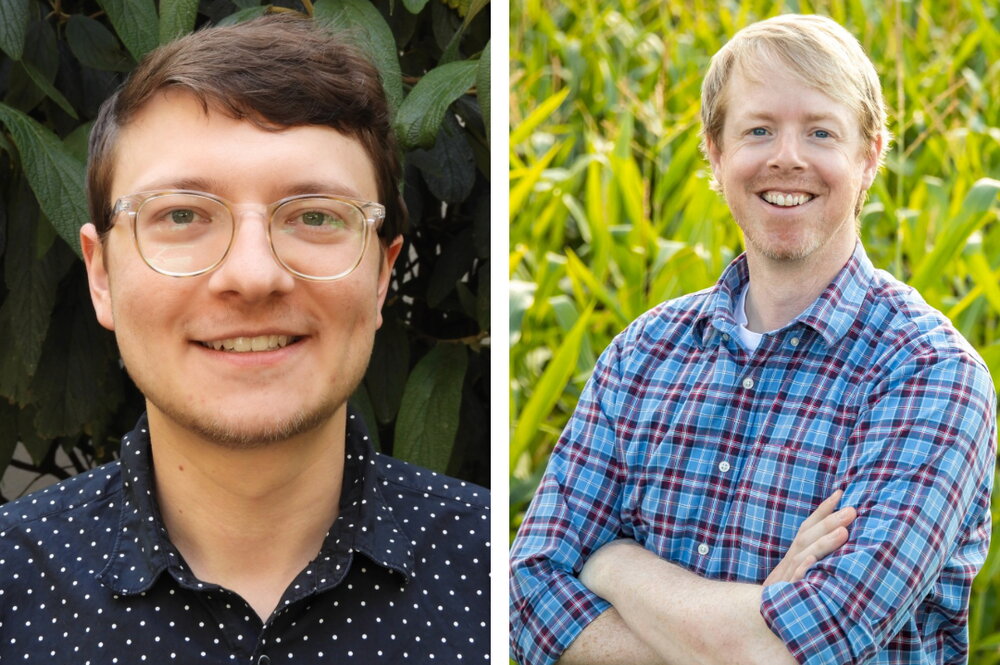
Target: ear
(714, 155)
(387, 260)
(871, 162)
(97, 275)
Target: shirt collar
(365, 523)
(831, 315)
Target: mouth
(257, 344)
(786, 200)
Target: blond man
(689, 511)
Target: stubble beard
(236, 436)
(231, 435)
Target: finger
(841, 518)
(818, 551)
(828, 544)
(823, 511)
(803, 568)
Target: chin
(251, 430)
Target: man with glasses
(243, 188)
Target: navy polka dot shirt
(90, 575)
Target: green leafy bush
(611, 212)
(425, 395)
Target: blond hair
(817, 51)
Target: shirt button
(264, 660)
(748, 383)
(724, 467)
(703, 549)
(725, 337)
(795, 341)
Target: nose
(250, 271)
(786, 153)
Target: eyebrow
(213, 186)
(809, 117)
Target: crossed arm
(916, 464)
(705, 621)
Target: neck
(248, 519)
(781, 290)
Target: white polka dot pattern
(91, 577)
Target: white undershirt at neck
(749, 338)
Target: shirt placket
(751, 399)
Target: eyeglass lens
(182, 234)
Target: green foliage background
(426, 392)
(611, 211)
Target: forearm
(682, 617)
(608, 641)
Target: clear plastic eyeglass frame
(372, 213)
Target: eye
(320, 218)
(758, 131)
(822, 134)
(182, 216)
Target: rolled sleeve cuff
(544, 626)
(800, 618)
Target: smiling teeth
(246, 344)
(785, 200)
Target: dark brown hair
(277, 71)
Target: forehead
(779, 95)
(174, 140)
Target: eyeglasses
(314, 236)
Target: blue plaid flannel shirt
(712, 457)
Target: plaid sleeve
(575, 510)
(918, 467)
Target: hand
(822, 533)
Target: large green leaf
(14, 16)
(135, 22)
(26, 311)
(469, 11)
(454, 261)
(177, 18)
(970, 218)
(41, 50)
(8, 432)
(428, 416)
(449, 166)
(54, 175)
(542, 113)
(71, 386)
(95, 46)
(361, 18)
(549, 388)
(387, 369)
(48, 88)
(423, 110)
(483, 87)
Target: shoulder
(66, 500)
(672, 329)
(447, 520)
(58, 531)
(414, 483)
(905, 348)
(666, 320)
(909, 329)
